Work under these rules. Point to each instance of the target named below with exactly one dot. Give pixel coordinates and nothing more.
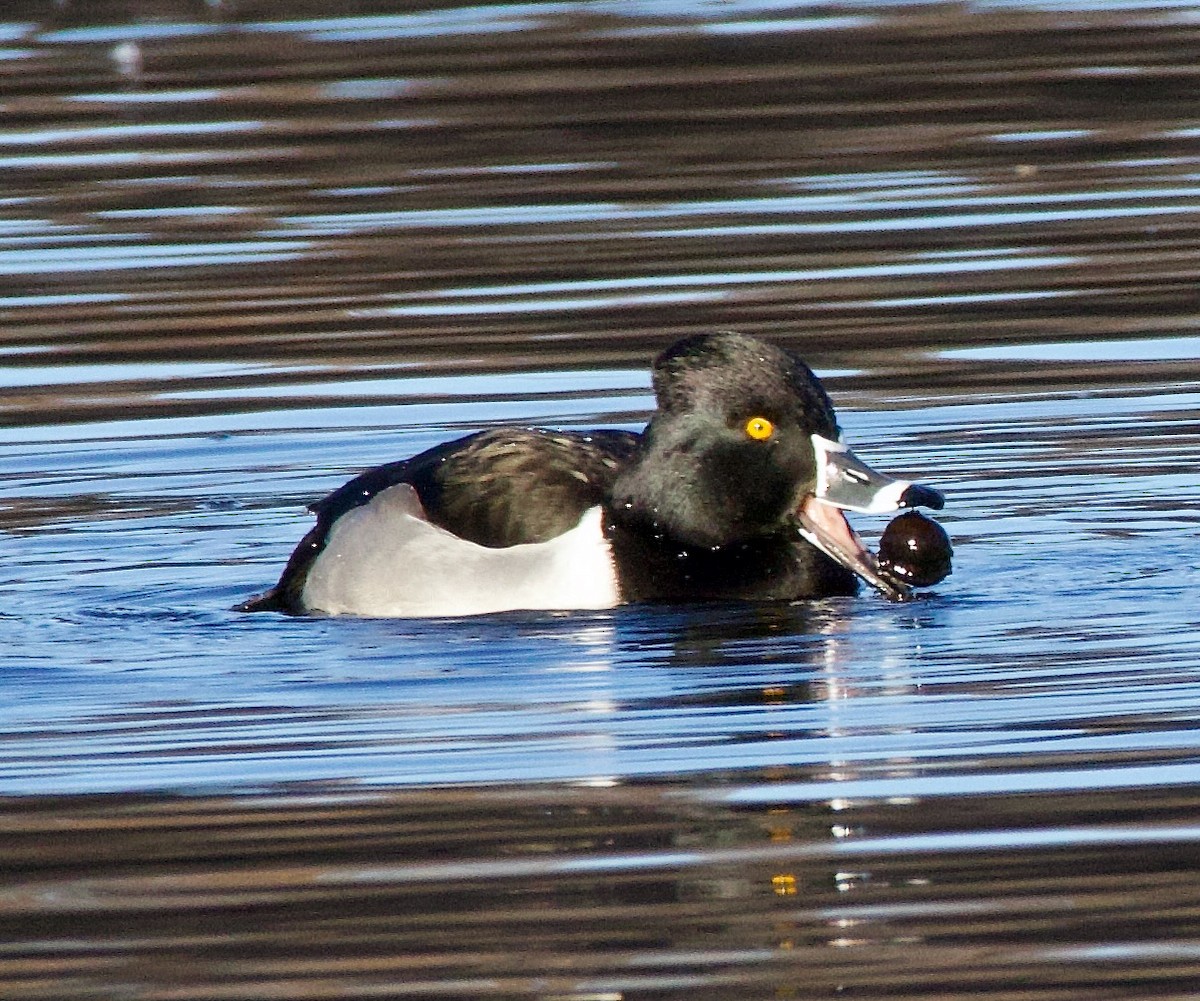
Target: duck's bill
(845, 482)
(827, 528)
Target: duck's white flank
(386, 559)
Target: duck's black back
(510, 486)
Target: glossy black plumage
(701, 480)
(704, 504)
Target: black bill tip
(918, 496)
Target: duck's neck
(654, 566)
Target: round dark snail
(915, 549)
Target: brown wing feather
(516, 485)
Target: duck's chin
(825, 526)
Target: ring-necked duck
(735, 490)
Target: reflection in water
(587, 893)
(245, 253)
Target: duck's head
(744, 444)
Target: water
(244, 255)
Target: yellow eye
(759, 428)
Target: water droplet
(127, 57)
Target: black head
(716, 372)
(728, 455)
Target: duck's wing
(510, 486)
(497, 488)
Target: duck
(736, 490)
